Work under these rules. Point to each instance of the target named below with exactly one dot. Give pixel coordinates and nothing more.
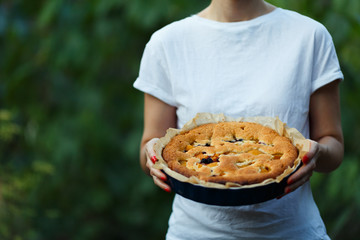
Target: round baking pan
(228, 197)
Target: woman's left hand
(306, 170)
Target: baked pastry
(242, 153)
(220, 160)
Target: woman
(245, 58)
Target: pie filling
(239, 152)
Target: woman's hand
(327, 151)
(158, 176)
(306, 170)
(158, 117)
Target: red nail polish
(167, 190)
(153, 159)
(163, 178)
(305, 159)
(287, 190)
(289, 182)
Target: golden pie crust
(215, 150)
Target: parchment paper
(298, 140)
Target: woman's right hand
(158, 176)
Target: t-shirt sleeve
(326, 67)
(153, 75)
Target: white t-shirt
(267, 66)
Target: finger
(297, 184)
(304, 170)
(299, 179)
(314, 149)
(158, 173)
(161, 184)
(158, 176)
(149, 147)
(304, 173)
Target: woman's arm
(325, 127)
(327, 145)
(158, 117)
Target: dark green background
(71, 122)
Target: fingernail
(167, 190)
(153, 159)
(289, 182)
(163, 178)
(305, 159)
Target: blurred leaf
(48, 12)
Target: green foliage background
(70, 121)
